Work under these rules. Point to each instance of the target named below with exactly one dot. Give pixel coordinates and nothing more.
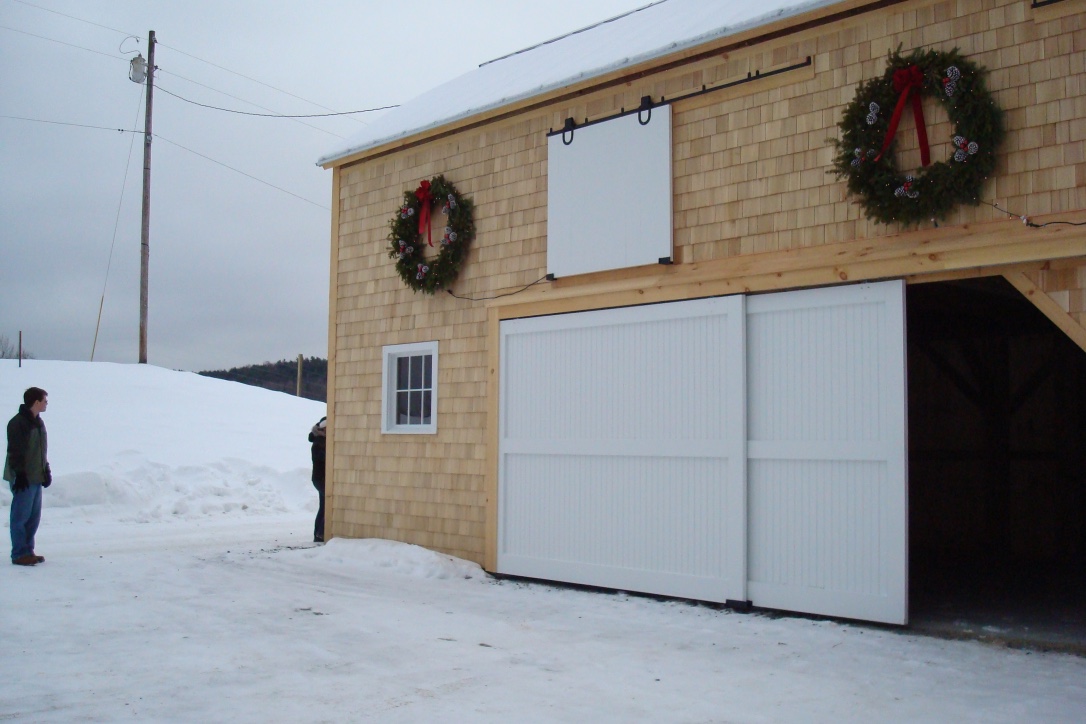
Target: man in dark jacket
(26, 468)
(318, 437)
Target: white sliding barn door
(718, 449)
(827, 451)
(621, 458)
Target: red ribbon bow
(422, 193)
(906, 80)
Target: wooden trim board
(333, 297)
(912, 254)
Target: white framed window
(409, 389)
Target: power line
(194, 57)
(61, 42)
(274, 115)
(215, 65)
(189, 80)
(160, 70)
(254, 80)
(254, 178)
(98, 52)
(57, 12)
(62, 123)
(116, 225)
(173, 143)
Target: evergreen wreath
(865, 151)
(410, 233)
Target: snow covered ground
(180, 585)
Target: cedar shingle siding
(751, 196)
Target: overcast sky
(240, 213)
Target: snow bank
(403, 558)
(141, 443)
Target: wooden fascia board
(755, 36)
(908, 255)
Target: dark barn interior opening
(997, 467)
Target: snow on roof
(659, 29)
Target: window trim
(390, 354)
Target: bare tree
(8, 350)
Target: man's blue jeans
(25, 515)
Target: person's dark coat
(317, 437)
(28, 444)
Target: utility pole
(298, 393)
(145, 232)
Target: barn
(628, 309)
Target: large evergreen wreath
(865, 151)
(411, 231)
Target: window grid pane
(416, 373)
(414, 390)
(416, 408)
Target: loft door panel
(609, 195)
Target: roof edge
(694, 51)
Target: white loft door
(621, 452)
(827, 451)
(609, 195)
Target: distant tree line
(10, 350)
(281, 376)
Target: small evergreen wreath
(410, 232)
(865, 152)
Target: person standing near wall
(26, 469)
(318, 437)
